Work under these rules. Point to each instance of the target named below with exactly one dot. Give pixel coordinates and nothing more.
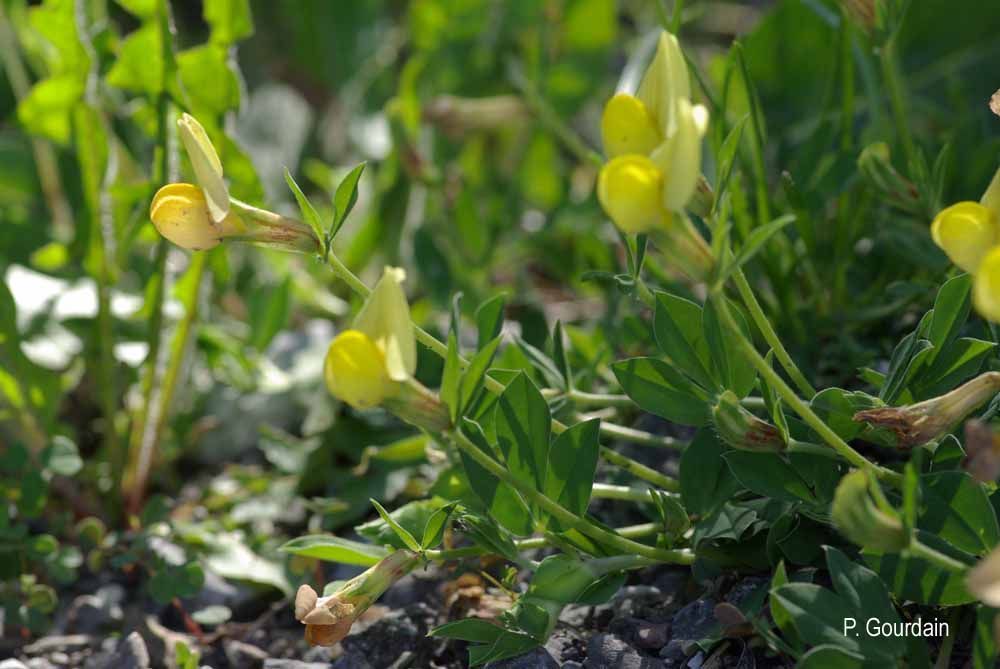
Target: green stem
(564, 515)
(801, 408)
(584, 399)
(641, 437)
(936, 558)
(622, 492)
(533, 543)
(770, 336)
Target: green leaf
(865, 593)
(572, 463)
(344, 199)
(436, 524)
(62, 457)
(230, 20)
(726, 157)
(309, 213)
(951, 309)
(269, 311)
(768, 474)
(501, 501)
(729, 367)
(915, 579)
(830, 657)
(820, 616)
(522, 428)
(658, 389)
(956, 509)
(210, 84)
(779, 613)
(677, 324)
(961, 360)
(335, 549)
(489, 319)
(400, 531)
(472, 379)
(837, 407)
(984, 645)
(139, 66)
(48, 107)
(705, 479)
(475, 630)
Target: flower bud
(931, 419)
(983, 580)
(206, 164)
(628, 127)
(355, 371)
(679, 157)
(741, 429)
(856, 515)
(965, 232)
(665, 82)
(329, 619)
(180, 213)
(630, 188)
(982, 448)
(385, 318)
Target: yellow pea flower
(355, 371)
(180, 213)
(965, 232)
(629, 188)
(385, 318)
(986, 286)
(652, 137)
(367, 364)
(628, 127)
(206, 164)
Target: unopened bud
(856, 515)
(741, 429)
(931, 419)
(329, 619)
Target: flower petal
(665, 82)
(385, 318)
(628, 127)
(206, 164)
(680, 156)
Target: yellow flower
(965, 232)
(628, 127)
(180, 213)
(385, 318)
(355, 371)
(986, 286)
(652, 138)
(629, 188)
(206, 164)
(367, 364)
